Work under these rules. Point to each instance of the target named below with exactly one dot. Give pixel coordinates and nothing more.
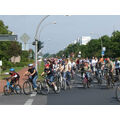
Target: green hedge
(8, 64)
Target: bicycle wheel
(85, 83)
(64, 85)
(118, 93)
(38, 87)
(18, 89)
(58, 87)
(6, 91)
(27, 88)
(44, 88)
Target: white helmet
(30, 65)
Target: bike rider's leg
(68, 78)
(34, 82)
(112, 77)
(52, 81)
(11, 83)
(116, 70)
(8, 85)
(87, 76)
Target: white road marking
(29, 102)
(33, 94)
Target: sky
(67, 28)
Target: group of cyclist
(67, 68)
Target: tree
(15, 49)
(4, 29)
(46, 55)
(93, 47)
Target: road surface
(76, 96)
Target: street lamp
(54, 22)
(36, 38)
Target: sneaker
(70, 87)
(55, 88)
(35, 89)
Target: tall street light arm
(37, 30)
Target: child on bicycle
(50, 75)
(33, 75)
(14, 77)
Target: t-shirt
(46, 70)
(110, 65)
(31, 71)
(15, 75)
(117, 64)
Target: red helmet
(47, 65)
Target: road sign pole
(0, 70)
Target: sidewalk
(21, 72)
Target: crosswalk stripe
(29, 102)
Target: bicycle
(66, 82)
(15, 88)
(28, 87)
(47, 83)
(117, 92)
(108, 78)
(85, 81)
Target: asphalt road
(76, 96)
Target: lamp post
(36, 38)
(54, 22)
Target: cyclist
(33, 75)
(110, 65)
(73, 68)
(87, 69)
(50, 75)
(67, 72)
(14, 78)
(117, 64)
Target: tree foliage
(93, 47)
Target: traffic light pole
(36, 44)
(36, 40)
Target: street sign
(103, 48)
(103, 53)
(0, 63)
(6, 37)
(25, 39)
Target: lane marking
(33, 94)
(29, 102)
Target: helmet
(47, 65)
(12, 69)
(30, 65)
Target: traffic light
(40, 45)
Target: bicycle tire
(118, 93)
(18, 89)
(84, 83)
(27, 88)
(64, 84)
(44, 88)
(58, 87)
(6, 91)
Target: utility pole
(36, 51)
